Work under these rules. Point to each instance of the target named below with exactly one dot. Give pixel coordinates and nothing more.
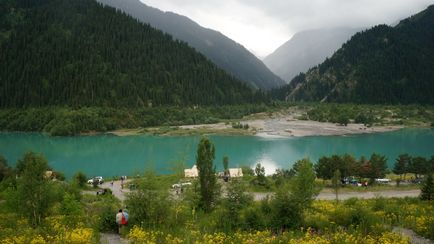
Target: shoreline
(273, 128)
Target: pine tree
(401, 167)
(207, 178)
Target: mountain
(80, 53)
(381, 65)
(307, 49)
(224, 52)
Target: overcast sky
(263, 25)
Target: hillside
(224, 52)
(306, 49)
(79, 53)
(381, 65)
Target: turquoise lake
(109, 155)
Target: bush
(286, 211)
(247, 171)
(107, 220)
(80, 179)
(252, 218)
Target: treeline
(60, 121)
(368, 114)
(79, 53)
(373, 168)
(382, 65)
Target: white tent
(235, 172)
(191, 173)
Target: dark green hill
(221, 50)
(79, 53)
(381, 65)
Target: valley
(148, 121)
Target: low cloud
(262, 26)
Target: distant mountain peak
(392, 65)
(224, 52)
(306, 49)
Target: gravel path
(111, 238)
(117, 189)
(414, 238)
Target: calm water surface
(109, 155)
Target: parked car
(179, 185)
(98, 179)
(383, 181)
(417, 181)
(104, 192)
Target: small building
(191, 173)
(235, 172)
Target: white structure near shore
(193, 172)
(235, 172)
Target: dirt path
(111, 238)
(326, 195)
(414, 238)
(117, 188)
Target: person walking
(120, 220)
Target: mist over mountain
(307, 49)
(224, 52)
(392, 65)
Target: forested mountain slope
(79, 53)
(224, 52)
(381, 65)
(307, 49)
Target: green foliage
(236, 200)
(377, 166)
(382, 65)
(33, 195)
(70, 206)
(302, 185)
(369, 114)
(226, 164)
(427, 189)
(238, 125)
(364, 118)
(253, 218)
(80, 179)
(105, 208)
(61, 121)
(281, 176)
(247, 171)
(419, 166)
(260, 179)
(80, 53)
(148, 206)
(402, 164)
(5, 170)
(286, 210)
(353, 214)
(207, 179)
(336, 182)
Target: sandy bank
(288, 126)
(279, 126)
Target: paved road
(326, 195)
